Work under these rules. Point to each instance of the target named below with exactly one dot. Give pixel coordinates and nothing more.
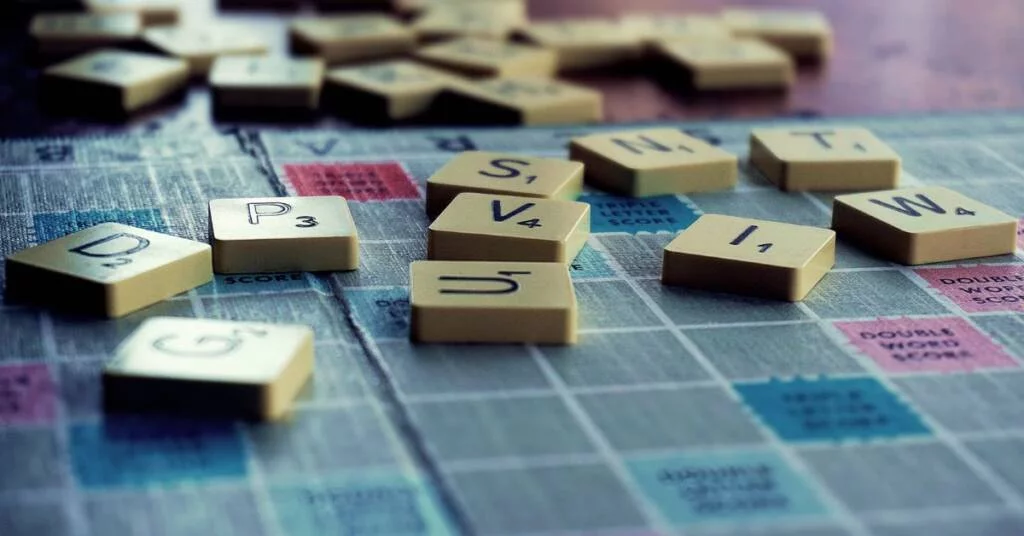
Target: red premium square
(356, 182)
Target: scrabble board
(889, 402)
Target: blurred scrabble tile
(67, 33)
(652, 28)
(209, 368)
(495, 302)
(652, 162)
(922, 225)
(152, 12)
(753, 257)
(488, 227)
(201, 45)
(254, 82)
(114, 80)
(503, 173)
(352, 5)
(724, 64)
(520, 101)
(109, 269)
(801, 33)
(495, 19)
(387, 91)
(805, 159)
(586, 43)
(283, 234)
(473, 56)
(343, 39)
(419, 6)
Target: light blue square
(384, 313)
(613, 214)
(725, 486)
(831, 409)
(384, 504)
(261, 283)
(590, 264)
(53, 225)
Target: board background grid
(400, 439)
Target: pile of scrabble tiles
(504, 228)
(448, 61)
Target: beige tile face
(391, 78)
(776, 22)
(485, 19)
(151, 11)
(110, 253)
(250, 72)
(534, 101)
(717, 54)
(510, 173)
(661, 27)
(824, 145)
(191, 42)
(122, 69)
(502, 227)
(586, 43)
(283, 233)
(505, 285)
(61, 26)
(925, 210)
(209, 350)
(654, 148)
(351, 38)
(754, 241)
(490, 57)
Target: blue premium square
(613, 214)
(53, 225)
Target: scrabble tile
(503, 173)
(342, 39)
(419, 6)
(586, 44)
(520, 101)
(115, 80)
(283, 234)
(803, 159)
(110, 269)
(724, 64)
(759, 258)
(801, 33)
(474, 56)
(652, 28)
(497, 302)
(922, 225)
(201, 45)
(152, 12)
(266, 82)
(209, 368)
(652, 162)
(495, 19)
(393, 90)
(488, 227)
(68, 33)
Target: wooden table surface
(891, 56)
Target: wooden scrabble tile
(201, 45)
(745, 256)
(802, 33)
(109, 269)
(115, 80)
(206, 367)
(652, 162)
(652, 28)
(497, 302)
(342, 39)
(420, 6)
(503, 173)
(586, 44)
(152, 12)
(68, 33)
(266, 82)
(495, 19)
(520, 101)
(922, 225)
(802, 159)
(283, 234)
(723, 64)
(474, 56)
(488, 227)
(393, 90)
